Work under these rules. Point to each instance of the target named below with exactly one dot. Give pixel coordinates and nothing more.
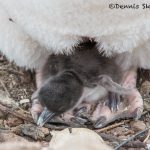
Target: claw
(82, 114)
(100, 122)
(35, 116)
(79, 120)
(80, 111)
(45, 116)
(137, 113)
(36, 110)
(113, 101)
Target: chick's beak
(45, 116)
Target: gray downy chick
(66, 78)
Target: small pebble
(1, 122)
(123, 138)
(30, 130)
(138, 125)
(13, 121)
(1, 114)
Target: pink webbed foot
(104, 114)
(36, 108)
(135, 100)
(80, 116)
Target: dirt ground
(16, 124)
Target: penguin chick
(66, 80)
